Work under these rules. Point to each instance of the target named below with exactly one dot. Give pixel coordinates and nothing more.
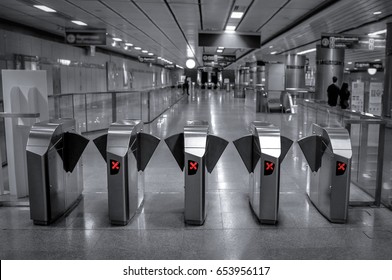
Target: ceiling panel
(215, 14)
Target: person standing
(186, 86)
(344, 95)
(333, 92)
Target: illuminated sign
(340, 168)
(192, 167)
(269, 167)
(114, 167)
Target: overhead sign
(85, 37)
(230, 40)
(169, 66)
(367, 64)
(219, 58)
(345, 41)
(147, 59)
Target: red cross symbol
(341, 166)
(115, 165)
(269, 165)
(192, 165)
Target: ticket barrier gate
(54, 171)
(127, 151)
(262, 153)
(328, 153)
(197, 151)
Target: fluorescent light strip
(230, 28)
(144, 51)
(150, 53)
(307, 51)
(117, 39)
(129, 44)
(377, 13)
(221, 48)
(219, 51)
(78, 22)
(275, 52)
(138, 48)
(179, 66)
(45, 8)
(378, 32)
(237, 14)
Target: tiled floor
(231, 231)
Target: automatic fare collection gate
(328, 153)
(197, 151)
(262, 153)
(127, 151)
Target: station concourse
(109, 81)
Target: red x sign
(114, 167)
(269, 167)
(340, 168)
(192, 167)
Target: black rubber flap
(215, 148)
(244, 146)
(74, 145)
(285, 145)
(147, 144)
(313, 149)
(101, 144)
(176, 146)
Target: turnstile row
(53, 152)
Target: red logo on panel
(114, 167)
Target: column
(329, 63)
(295, 71)
(387, 98)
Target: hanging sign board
(85, 37)
(345, 41)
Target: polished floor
(231, 231)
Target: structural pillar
(295, 71)
(387, 96)
(329, 63)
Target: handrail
(19, 115)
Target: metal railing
(368, 136)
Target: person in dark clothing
(344, 95)
(333, 92)
(186, 86)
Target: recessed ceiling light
(274, 52)
(150, 53)
(377, 59)
(125, 47)
(271, 47)
(237, 14)
(117, 39)
(78, 22)
(159, 57)
(221, 48)
(138, 48)
(377, 13)
(350, 62)
(113, 44)
(230, 28)
(129, 44)
(45, 8)
(219, 51)
(144, 51)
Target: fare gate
(328, 153)
(262, 153)
(127, 151)
(55, 178)
(198, 152)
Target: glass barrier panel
(66, 106)
(79, 102)
(128, 105)
(99, 111)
